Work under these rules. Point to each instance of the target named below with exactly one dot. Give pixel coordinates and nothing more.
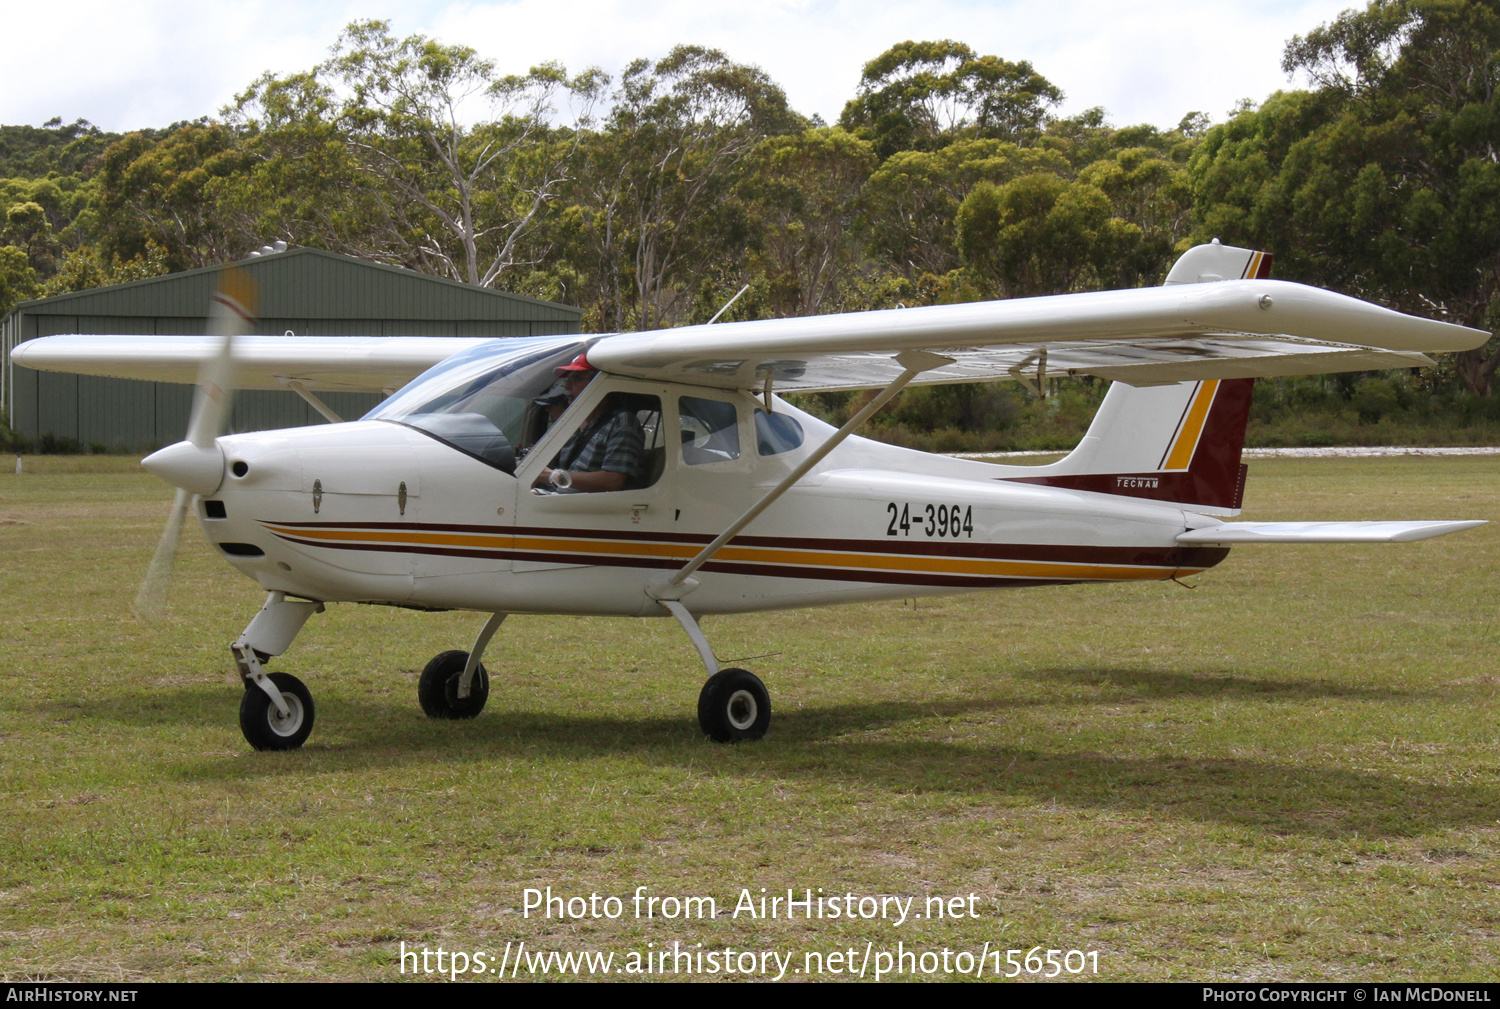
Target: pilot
(555, 400)
(605, 453)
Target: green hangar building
(304, 292)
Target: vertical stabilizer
(1178, 444)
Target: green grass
(1286, 773)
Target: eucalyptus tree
(159, 190)
(912, 199)
(1383, 181)
(1041, 234)
(804, 196)
(1154, 192)
(655, 175)
(1414, 156)
(919, 95)
(17, 278)
(452, 163)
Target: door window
(710, 430)
(623, 435)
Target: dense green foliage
(650, 199)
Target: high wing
(1198, 326)
(319, 363)
(1147, 336)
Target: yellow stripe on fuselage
(583, 549)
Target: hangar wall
(307, 292)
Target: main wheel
(438, 689)
(734, 705)
(264, 727)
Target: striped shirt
(614, 442)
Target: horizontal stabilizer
(1230, 533)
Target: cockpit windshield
(481, 401)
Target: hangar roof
(309, 284)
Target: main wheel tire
(438, 689)
(734, 705)
(264, 727)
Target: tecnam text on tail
(658, 473)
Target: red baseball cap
(577, 364)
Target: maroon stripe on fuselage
(742, 568)
(1189, 557)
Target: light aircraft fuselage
(384, 511)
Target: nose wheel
(265, 727)
(733, 705)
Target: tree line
(649, 198)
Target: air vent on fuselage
(214, 510)
(242, 549)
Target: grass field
(1287, 773)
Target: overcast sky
(153, 62)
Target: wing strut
(1039, 385)
(300, 388)
(913, 361)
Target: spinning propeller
(196, 464)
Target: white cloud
(151, 63)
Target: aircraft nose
(195, 469)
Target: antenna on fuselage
(731, 301)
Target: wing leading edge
(320, 363)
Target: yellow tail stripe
(1192, 428)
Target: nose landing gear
(276, 712)
(265, 727)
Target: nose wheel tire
(734, 705)
(264, 727)
(437, 691)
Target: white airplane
(725, 499)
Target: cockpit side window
(710, 430)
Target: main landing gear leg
(734, 704)
(455, 684)
(276, 712)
